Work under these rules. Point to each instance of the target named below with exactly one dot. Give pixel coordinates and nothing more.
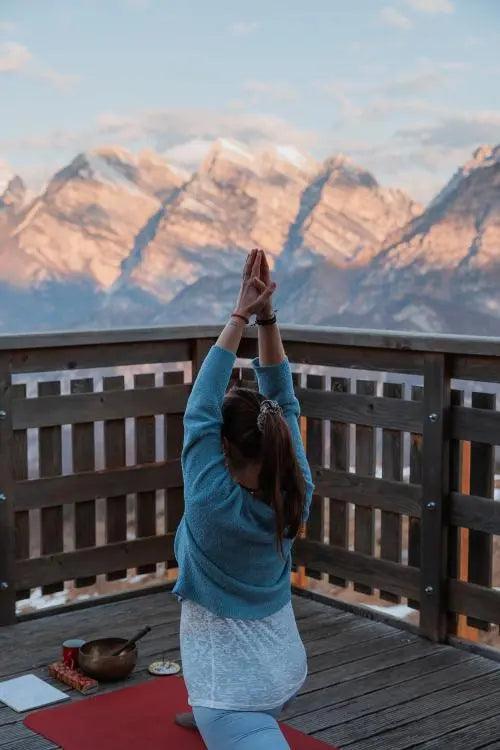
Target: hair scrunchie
(266, 406)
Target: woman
(247, 491)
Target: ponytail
(280, 478)
(264, 435)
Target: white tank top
(237, 664)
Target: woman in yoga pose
(247, 492)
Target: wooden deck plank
(358, 680)
(434, 726)
(435, 713)
(472, 737)
(368, 686)
(380, 699)
(18, 736)
(348, 647)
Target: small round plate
(164, 667)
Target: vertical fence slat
(297, 570)
(145, 452)
(20, 471)
(235, 377)
(416, 462)
(7, 529)
(482, 482)
(364, 526)
(339, 460)
(50, 453)
(247, 375)
(454, 533)
(114, 453)
(174, 434)
(435, 491)
(199, 350)
(392, 468)
(84, 460)
(314, 449)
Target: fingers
(266, 294)
(249, 263)
(265, 290)
(265, 274)
(258, 284)
(256, 264)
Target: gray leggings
(223, 729)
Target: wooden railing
(431, 501)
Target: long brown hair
(281, 482)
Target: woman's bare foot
(186, 719)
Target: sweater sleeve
(202, 459)
(275, 382)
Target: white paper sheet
(29, 691)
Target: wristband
(267, 321)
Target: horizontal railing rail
(416, 523)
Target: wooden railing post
(435, 491)
(199, 350)
(7, 528)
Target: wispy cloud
(391, 16)
(244, 28)
(280, 92)
(5, 174)
(61, 81)
(431, 6)
(6, 27)
(167, 128)
(13, 57)
(416, 83)
(189, 154)
(404, 94)
(16, 58)
(456, 130)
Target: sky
(406, 88)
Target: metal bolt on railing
(433, 417)
(431, 505)
(3, 414)
(429, 589)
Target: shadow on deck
(370, 686)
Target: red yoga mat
(135, 717)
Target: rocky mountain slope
(277, 198)
(345, 216)
(444, 268)
(237, 199)
(85, 222)
(12, 201)
(119, 239)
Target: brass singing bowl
(94, 658)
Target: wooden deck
(370, 686)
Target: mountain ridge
(141, 241)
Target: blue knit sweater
(225, 544)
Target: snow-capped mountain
(86, 220)
(120, 239)
(448, 254)
(345, 216)
(236, 200)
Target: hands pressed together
(255, 296)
